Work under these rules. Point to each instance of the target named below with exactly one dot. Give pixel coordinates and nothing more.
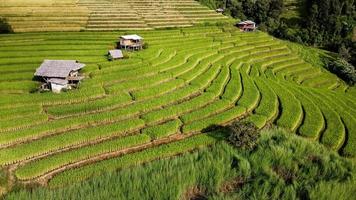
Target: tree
(5, 26)
(344, 53)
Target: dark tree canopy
(328, 24)
(4, 26)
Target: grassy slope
(282, 167)
(240, 74)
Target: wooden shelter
(131, 42)
(220, 10)
(59, 74)
(115, 54)
(247, 26)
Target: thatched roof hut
(247, 26)
(58, 68)
(133, 42)
(59, 74)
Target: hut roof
(116, 53)
(132, 37)
(58, 68)
(246, 22)
(58, 81)
(220, 10)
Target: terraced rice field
(155, 103)
(104, 15)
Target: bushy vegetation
(282, 166)
(4, 26)
(264, 12)
(342, 69)
(243, 135)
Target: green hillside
(158, 101)
(283, 166)
(103, 15)
(196, 71)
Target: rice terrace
(153, 122)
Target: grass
(259, 120)
(57, 142)
(282, 166)
(85, 107)
(185, 81)
(251, 95)
(291, 114)
(163, 130)
(233, 89)
(209, 110)
(268, 105)
(132, 159)
(219, 118)
(176, 110)
(50, 163)
(336, 128)
(313, 122)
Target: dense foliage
(343, 69)
(282, 166)
(264, 12)
(323, 23)
(243, 135)
(4, 26)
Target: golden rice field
(103, 15)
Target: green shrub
(5, 27)
(243, 135)
(145, 45)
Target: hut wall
(57, 88)
(124, 42)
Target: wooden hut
(59, 74)
(131, 42)
(247, 26)
(220, 10)
(115, 54)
